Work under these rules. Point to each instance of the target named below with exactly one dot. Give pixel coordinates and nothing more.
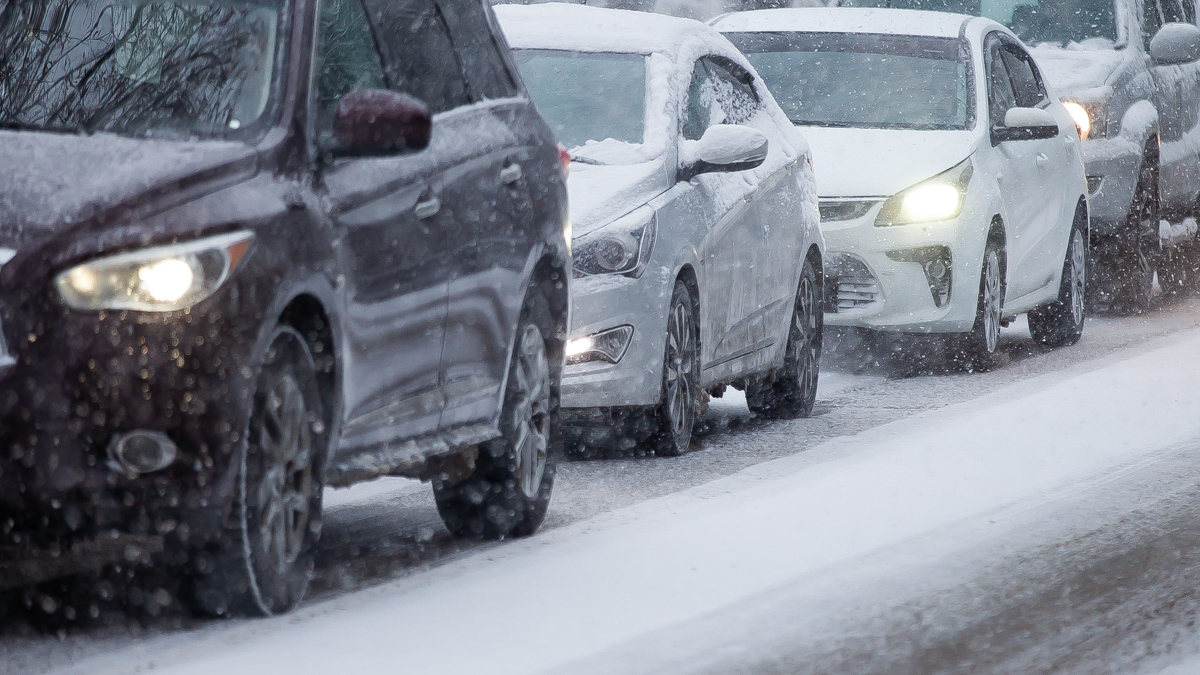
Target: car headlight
(939, 198)
(156, 279)
(621, 247)
(1096, 112)
(607, 345)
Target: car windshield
(864, 80)
(587, 96)
(1034, 21)
(185, 68)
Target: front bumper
(867, 288)
(606, 301)
(1114, 163)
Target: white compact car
(697, 244)
(953, 194)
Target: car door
(1028, 188)
(394, 252)
(490, 221)
(1176, 98)
(731, 324)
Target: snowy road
(1041, 517)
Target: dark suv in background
(253, 248)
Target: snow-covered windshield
(1034, 21)
(587, 96)
(137, 67)
(864, 80)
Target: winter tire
(676, 414)
(266, 557)
(1132, 282)
(509, 490)
(794, 390)
(977, 349)
(1061, 322)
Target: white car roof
(845, 20)
(596, 29)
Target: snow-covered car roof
(845, 20)
(595, 29)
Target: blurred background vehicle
(252, 251)
(952, 191)
(698, 256)
(1128, 71)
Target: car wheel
(509, 490)
(266, 558)
(794, 390)
(1061, 322)
(676, 414)
(1178, 269)
(977, 349)
(1133, 276)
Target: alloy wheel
(1078, 277)
(531, 412)
(679, 367)
(285, 492)
(991, 301)
(807, 334)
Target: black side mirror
(380, 122)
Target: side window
(418, 56)
(1189, 11)
(717, 96)
(1000, 91)
(1172, 11)
(479, 48)
(1026, 84)
(346, 56)
(1151, 20)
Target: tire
(794, 390)
(977, 349)
(676, 413)
(1178, 270)
(266, 556)
(508, 492)
(1133, 263)
(1061, 323)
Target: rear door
(394, 250)
(489, 221)
(1177, 99)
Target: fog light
(138, 452)
(935, 261)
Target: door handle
(427, 208)
(1041, 160)
(510, 174)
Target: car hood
(58, 182)
(881, 162)
(600, 194)
(1070, 71)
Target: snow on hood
(881, 162)
(600, 194)
(1073, 69)
(57, 180)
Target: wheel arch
(998, 234)
(552, 279)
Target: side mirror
(723, 147)
(1025, 124)
(380, 122)
(1175, 43)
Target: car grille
(849, 284)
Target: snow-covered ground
(584, 597)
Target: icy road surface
(1043, 517)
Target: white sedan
(953, 194)
(698, 252)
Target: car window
(475, 40)
(1151, 21)
(1172, 11)
(717, 96)
(347, 58)
(1000, 92)
(1027, 87)
(418, 55)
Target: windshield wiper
(580, 159)
(12, 125)
(822, 123)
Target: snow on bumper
(901, 299)
(607, 301)
(1114, 163)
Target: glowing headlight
(926, 203)
(157, 279)
(939, 198)
(621, 247)
(1080, 115)
(607, 345)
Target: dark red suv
(252, 248)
